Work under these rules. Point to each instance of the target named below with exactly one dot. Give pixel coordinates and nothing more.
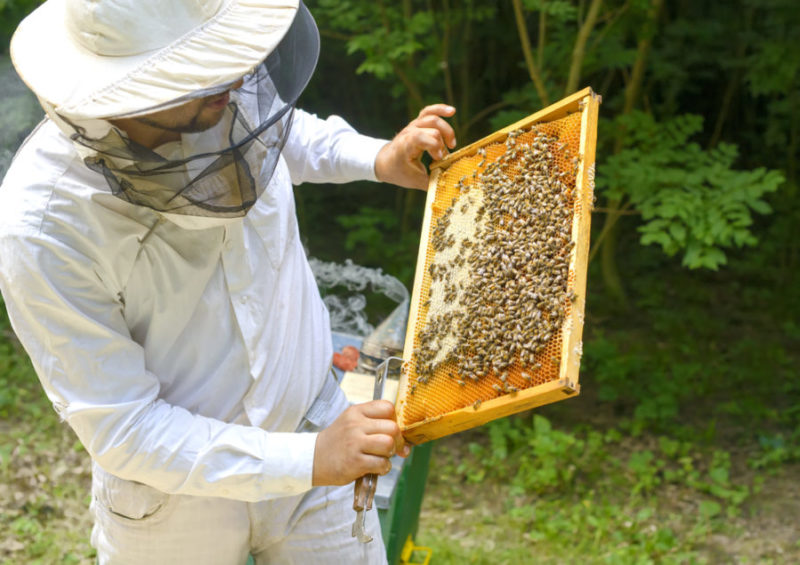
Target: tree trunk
(533, 71)
(608, 249)
(579, 48)
(612, 280)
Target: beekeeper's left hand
(399, 161)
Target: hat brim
(81, 84)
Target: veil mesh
(220, 171)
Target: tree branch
(335, 35)
(412, 87)
(448, 77)
(613, 215)
(620, 211)
(464, 74)
(633, 88)
(610, 19)
(533, 71)
(580, 46)
(542, 35)
(485, 112)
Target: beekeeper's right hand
(360, 441)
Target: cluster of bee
(498, 292)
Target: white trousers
(135, 524)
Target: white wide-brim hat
(102, 59)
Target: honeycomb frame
(418, 412)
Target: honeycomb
(443, 373)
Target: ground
(474, 526)
(467, 516)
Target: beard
(193, 117)
(194, 124)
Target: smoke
(347, 312)
(19, 112)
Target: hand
(398, 162)
(360, 441)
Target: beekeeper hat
(103, 58)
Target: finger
(373, 426)
(445, 129)
(375, 464)
(426, 139)
(437, 109)
(400, 447)
(382, 409)
(379, 444)
(385, 438)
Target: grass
(632, 502)
(44, 471)
(44, 483)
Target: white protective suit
(184, 357)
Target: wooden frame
(586, 102)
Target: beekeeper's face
(194, 116)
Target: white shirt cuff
(289, 468)
(359, 161)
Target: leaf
(541, 425)
(760, 206)
(659, 237)
(690, 199)
(719, 475)
(709, 508)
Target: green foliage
(11, 12)
(43, 477)
(554, 456)
(386, 46)
(19, 112)
(389, 37)
(369, 235)
(558, 9)
(617, 373)
(546, 460)
(546, 482)
(777, 449)
(20, 393)
(691, 199)
(773, 66)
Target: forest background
(683, 445)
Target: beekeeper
(151, 266)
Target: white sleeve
(72, 326)
(329, 150)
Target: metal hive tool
(497, 309)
